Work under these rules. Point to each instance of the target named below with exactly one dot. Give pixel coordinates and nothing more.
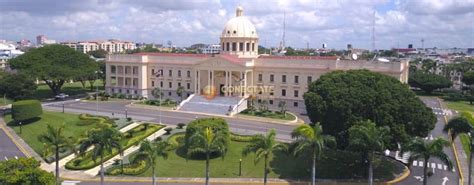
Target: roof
(239, 26)
(300, 57)
(171, 54)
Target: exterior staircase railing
(185, 101)
(239, 107)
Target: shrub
(129, 119)
(168, 130)
(135, 167)
(181, 125)
(26, 110)
(121, 96)
(240, 138)
(175, 141)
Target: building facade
(111, 46)
(237, 72)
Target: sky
(441, 23)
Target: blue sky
(442, 23)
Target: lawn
(269, 114)
(462, 106)
(44, 92)
(336, 164)
(31, 131)
(5, 101)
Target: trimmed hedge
(175, 141)
(241, 138)
(26, 110)
(135, 167)
(87, 119)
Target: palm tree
(103, 141)
(263, 146)
(366, 138)
(179, 92)
(151, 151)
(310, 137)
(157, 93)
(54, 139)
(420, 150)
(462, 125)
(207, 141)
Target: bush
(181, 125)
(454, 96)
(129, 119)
(168, 130)
(26, 110)
(175, 141)
(135, 167)
(240, 138)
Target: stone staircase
(218, 105)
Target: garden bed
(269, 114)
(130, 138)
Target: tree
(151, 151)
(53, 64)
(468, 79)
(282, 106)
(263, 146)
(24, 171)
(54, 138)
(420, 150)
(462, 125)
(207, 141)
(100, 53)
(428, 66)
(310, 137)
(368, 139)
(179, 92)
(429, 82)
(157, 93)
(17, 86)
(103, 141)
(102, 75)
(340, 99)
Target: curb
(461, 177)
(406, 173)
(23, 150)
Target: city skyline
(336, 23)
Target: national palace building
(231, 76)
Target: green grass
(31, 131)
(44, 92)
(460, 106)
(336, 164)
(465, 143)
(139, 134)
(5, 101)
(269, 114)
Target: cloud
(442, 23)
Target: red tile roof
(171, 54)
(301, 57)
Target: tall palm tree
(425, 150)
(151, 151)
(462, 125)
(103, 141)
(368, 139)
(263, 146)
(207, 141)
(55, 140)
(310, 137)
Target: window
(272, 78)
(179, 73)
(179, 84)
(170, 84)
(135, 92)
(253, 46)
(259, 101)
(153, 71)
(188, 85)
(128, 91)
(113, 69)
(234, 46)
(169, 93)
(260, 77)
(283, 78)
(153, 83)
(161, 83)
(188, 74)
(135, 70)
(270, 102)
(310, 79)
(241, 46)
(296, 93)
(271, 93)
(228, 46)
(283, 92)
(295, 104)
(297, 79)
(247, 46)
(223, 47)
(170, 73)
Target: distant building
(43, 40)
(111, 46)
(7, 51)
(211, 49)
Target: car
(61, 96)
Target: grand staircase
(219, 105)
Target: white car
(61, 96)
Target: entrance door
(221, 92)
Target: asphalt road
(437, 167)
(8, 149)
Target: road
(8, 149)
(438, 168)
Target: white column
(212, 78)
(226, 83)
(245, 82)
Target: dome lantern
(239, 11)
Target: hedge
(26, 110)
(87, 119)
(135, 167)
(240, 138)
(175, 141)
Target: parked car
(61, 96)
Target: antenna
(373, 31)
(422, 44)
(284, 28)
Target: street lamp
(97, 92)
(126, 113)
(63, 107)
(20, 127)
(240, 167)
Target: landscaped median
(129, 139)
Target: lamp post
(97, 92)
(20, 127)
(63, 107)
(240, 167)
(126, 113)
